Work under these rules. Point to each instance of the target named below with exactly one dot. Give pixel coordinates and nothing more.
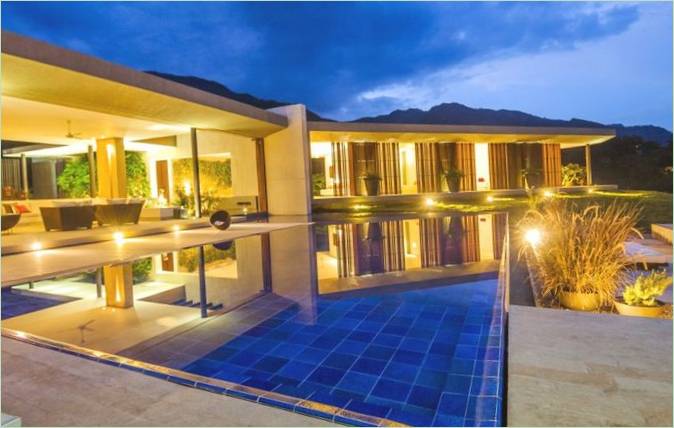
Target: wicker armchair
(67, 217)
(118, 213)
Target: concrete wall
(287, 162)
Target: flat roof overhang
(362, 131)
(38, 71)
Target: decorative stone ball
(223, 246)
(221, 220)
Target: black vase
(372, 186)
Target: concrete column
(588, 165)
(92, 171)
(118, 285)
(24, 175)
(111, 167)
(195, 173)
(287, 160)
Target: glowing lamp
(36, 246)
(187, 187)
(176, 228)
(533, 237)
(547, 193)
(430, 202)
(118, 237)
(490, 198)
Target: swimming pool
(396, 319)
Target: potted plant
(453, 177)
(573, 175)
(578, 255)
(371, 180)
(640, 299)
(530, 177)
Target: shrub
(573, 175)
(74, 180)
(580, 250)
(646, 289)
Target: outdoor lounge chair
(118, 211)
(70, 217)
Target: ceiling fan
(75, 135)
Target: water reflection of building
(394, 250)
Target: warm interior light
(547, 193)
(176, 228)
(187, 187)
(590, 190)
(36, 246)
(490, 198)
(430, 202)
(533, 237)
(119, 237)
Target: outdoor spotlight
(490, 198)
(119, 237)
(36, 246)
(547, 193)
(533, 237)
(176, 228)
(430, 202)
(590, 190)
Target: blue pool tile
(311, 355)
(287, 350)
(409, 357)
(339, 361)
(368, 408)
(330, 399)
(296, 370)
(487, 386)
(431, 378)
(390, 340)
(351, 347)
(425, 397)
(359, 383)
(453, 404)
(260, 384)
(379, 352)
(462, 366)
(245, 359)
(400, 371)
(326, 376)
(412, 417)
(442, 420)
(457, 384)
(361, 336)
(391, 389)
(369, 366)
(300, 391)
(270, 364)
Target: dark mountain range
(442, 114)
(222, 90)
(459, 114)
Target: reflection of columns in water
(118, 285)
(202, 283)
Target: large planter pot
(640, 311)
(579, 301)
(372, 186)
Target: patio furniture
(160, 213)
(221, 220)
(70, 217)
(9, 221)
(118, 211)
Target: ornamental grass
(580, 249)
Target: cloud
(624, 77)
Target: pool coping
(216, 386)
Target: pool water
(431, 356)
(19, 303)
(394, 319)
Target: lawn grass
(657, 206)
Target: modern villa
(369, 321)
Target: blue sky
(609, 62)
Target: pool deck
(48, 263)
(49, 388)
(568, 368)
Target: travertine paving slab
(568, 368)
(49, 388)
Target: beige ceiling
(38, 71)
(35, 122)
(567, 137)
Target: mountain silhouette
(441, 114)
